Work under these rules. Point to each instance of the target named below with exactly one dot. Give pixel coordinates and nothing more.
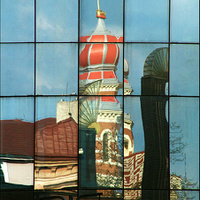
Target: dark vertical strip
(169, 42)
(78, 175)
(34, 90)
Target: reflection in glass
(185, 27)
(111, 194)
(56, 143)
(184, 142)
(184, 70)
(57, 21)
(17, 20)
(156, 162)
(56, 69)
(184, 194)
(100, 140)
(17, 143)
(17, 70)
(100, 69)
(132, 194)
(108, 21)
(140, 58)
(101, 194)
(146, 21)
(133, 146)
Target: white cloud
(45, 25)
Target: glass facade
(99, 99)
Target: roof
(56, 141)
(53, 141)
(17, 137)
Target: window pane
(154, 116)
(17, 20)
(133, 147)
(16, 158)
(17, 69)
(56, 143)
(185, 21)
(100, 133)
(57, 69)
(146, 60)
(101, 69)
(185, 194)
(184, 70)
(57, 20)
(146, 21)
(132, 194)
(90, 19)
(184, 142)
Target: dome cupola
(126, 69)
(99, 54)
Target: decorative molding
(109, 116)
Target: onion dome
(102, 55)
(97, 75)
(99, 56)
(126, 68)
(101, 33)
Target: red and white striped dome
(101, 55)
(98, 75)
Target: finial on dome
(100, 13)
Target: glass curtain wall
(99, 98)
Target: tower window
(105, 147)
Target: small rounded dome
(126, 67)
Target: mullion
(35, 26)
(78, 175)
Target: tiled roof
(56, 141)
(17, 137)
(53, 141)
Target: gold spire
(100, 13)
(98, 6)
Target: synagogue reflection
(88, 148)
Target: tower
(156, 164)
(100, 116)
(98, 61)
